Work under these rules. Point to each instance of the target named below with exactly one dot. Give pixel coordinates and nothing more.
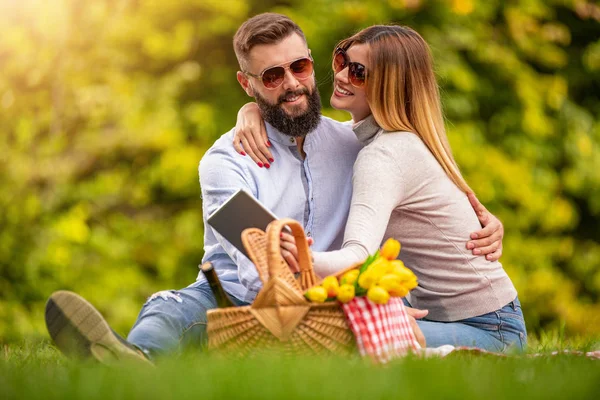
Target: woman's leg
(459, 334)
(498, 331)
(513, 330)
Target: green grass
(38, 370)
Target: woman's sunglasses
(273, 77)
(357, 73)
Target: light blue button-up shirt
(315, 191)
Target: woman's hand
(487, 241)
(413, 315)
(251, 136)
(289, 251)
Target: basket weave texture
(280, 318)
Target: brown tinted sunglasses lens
(273, 77)
(356, 71)
(356, 74)
(302, 68)
(339, 61)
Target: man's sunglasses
(357, 73)
(273, 77)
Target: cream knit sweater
(401, 191)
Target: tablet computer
(240, 211)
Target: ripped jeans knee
(171, 319)
(165, 295)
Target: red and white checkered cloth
(382, 331)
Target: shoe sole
(80, 331)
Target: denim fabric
(173, 320)
(498, 331)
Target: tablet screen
(239, 212)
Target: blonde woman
(406, 185)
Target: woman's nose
(342, 75)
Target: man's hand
(487, 241)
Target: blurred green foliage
(107, 106)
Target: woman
(407, 185)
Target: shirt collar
(288, 140)
(366, 130)
(279, 137)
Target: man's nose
(289, 81)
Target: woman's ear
(245, 83)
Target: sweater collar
(366, 130)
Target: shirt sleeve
(220, 177)
(378, 188)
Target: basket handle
(276, 262)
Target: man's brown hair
(267, 28)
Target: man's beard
(298, 125)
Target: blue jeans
(174, 319)
(497, 331)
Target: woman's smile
(340, 92)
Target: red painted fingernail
(269, 143)
(260, 164)
(281, 235)
(267, 166)
(242, 153)
(271, 159)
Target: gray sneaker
(79, 330)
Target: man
(312, 184)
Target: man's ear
(245, 83)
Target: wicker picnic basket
(280, 318)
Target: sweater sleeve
(378, 188)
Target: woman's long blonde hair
(402, 91)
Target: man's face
(294, 107)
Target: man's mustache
(298, 92)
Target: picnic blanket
(448, 349)
(383, 333)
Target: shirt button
(308, 234)
(292, 140)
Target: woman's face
(349, 97)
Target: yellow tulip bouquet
(380, 277)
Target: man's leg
(172, 320)
(79, 330)
(168, 320)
